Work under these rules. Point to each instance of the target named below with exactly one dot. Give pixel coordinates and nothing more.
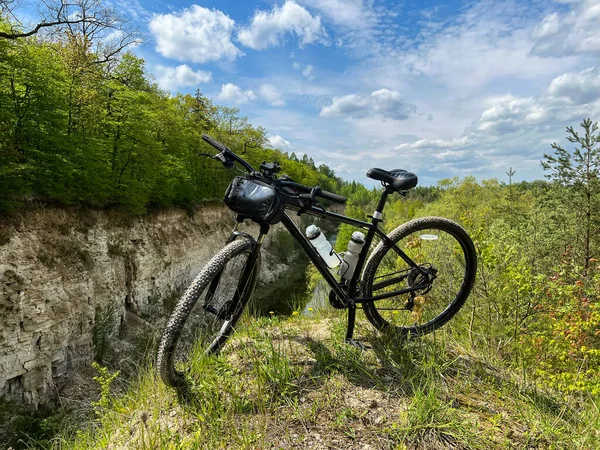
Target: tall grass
(293, 382)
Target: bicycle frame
(372, 231)
(347, 294)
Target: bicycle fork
(247, 278)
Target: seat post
(381, 204)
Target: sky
(442, 89)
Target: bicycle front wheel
(443, 251)
(208, 311)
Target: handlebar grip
(215, 144)
(333, 197)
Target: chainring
(335, 301)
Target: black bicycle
(413, 282)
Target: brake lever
(313, 193)
(220, 157)
(312, 201)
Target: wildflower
(310, 309)
(295, 313)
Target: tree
(579, 173)
(76, 132)
(325, 170)
(90, 20)
(309, 161)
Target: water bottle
(355, 245)
(322, 246)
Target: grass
(292, 383)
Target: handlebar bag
(254, 199)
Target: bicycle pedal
(357, 344)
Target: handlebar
(227, 157)
(333, 197)
(215, 144)
(227, 154)
(311, 192)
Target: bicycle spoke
(429, 248)
(210, 317)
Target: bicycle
(414, 281)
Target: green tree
(76, 128)
(578, 171)
(96, 23)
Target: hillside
(291, 383)
(517, 367)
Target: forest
(76, 129)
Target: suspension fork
(248, 276)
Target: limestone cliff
(62, 273)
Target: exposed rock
(61, 272)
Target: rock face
(67, 278)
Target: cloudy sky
(443, 89)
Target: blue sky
(439, 88)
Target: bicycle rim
(214, 316)
(430, 247)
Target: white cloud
(348, 13)
(358, 27)
(307, 72)
(194, 34)
(516, 131)
(510, 130)
(385, 103)
(434, 143)
(171, 78)
(266, 92)
(580, 87)
(574, 32)
(267, 29)
(132, 7)
(475, 52)
(348, 105)
(234, 94)
(279, 142)
(459, 67)
(271, 95)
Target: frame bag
(255, 200)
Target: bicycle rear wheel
(445, 252)
(207, 313)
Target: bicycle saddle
(398, 179)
